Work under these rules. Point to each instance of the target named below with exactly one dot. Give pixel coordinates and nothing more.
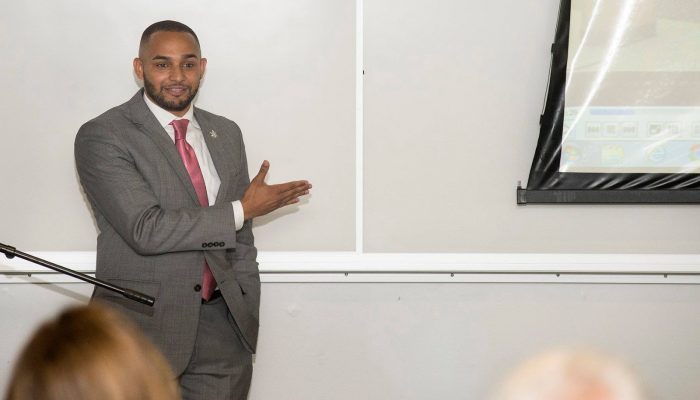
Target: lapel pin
(213, 134)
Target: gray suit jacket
(153, 234)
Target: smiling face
(171, 68)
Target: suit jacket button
(197, 287)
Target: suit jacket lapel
(217, 149)
(142, 117)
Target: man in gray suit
(168, 185)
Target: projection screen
(622, 116)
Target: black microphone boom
(12, 252)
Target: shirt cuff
(238, 215)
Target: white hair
(571, 375)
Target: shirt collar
(165, 117)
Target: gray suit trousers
(220, 367)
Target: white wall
(451, 99)
(430, 341)
(284, 71)
(448, 110)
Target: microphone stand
(11, 252)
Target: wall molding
(423, 267)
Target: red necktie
(190, 161)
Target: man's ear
(138, 68)
(202, 66)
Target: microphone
(8, 250)
(11, 252)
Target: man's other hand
(261, 198)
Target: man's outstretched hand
(261, 198)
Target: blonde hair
(91, 352)
(568, 374)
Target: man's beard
(159, 98)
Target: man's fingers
(293, 197)
(293, 194)
(284, 188)
(263, 171)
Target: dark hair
(166, 26)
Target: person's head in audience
(571, 375)
(90, 352)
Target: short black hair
(166, 26)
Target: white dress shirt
(195, 138)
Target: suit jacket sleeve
(120, 194)
(245, 254)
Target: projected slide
(632, 92)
